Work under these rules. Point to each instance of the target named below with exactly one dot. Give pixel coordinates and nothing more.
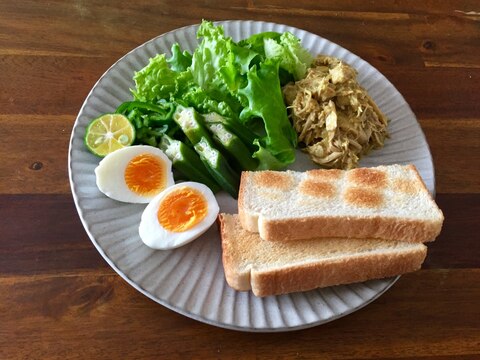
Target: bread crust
(354, 227)
(249, 221)
(242, 271)
(336, 272)
(237, 280)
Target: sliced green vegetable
(186, 160)
(151, 121)
(130, 105)
(190, 121)
(243, 132)
(241, 81)
(150, 114)
(232, 144)
(216, 67)
(218, 167)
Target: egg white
(110, 173)
(155, 236)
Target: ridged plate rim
(90, 203)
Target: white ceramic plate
(190, 280)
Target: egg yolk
(145, 175)
(182, 209)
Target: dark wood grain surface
(60, 300)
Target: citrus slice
(108, 133)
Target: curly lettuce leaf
(267, 161)
(218, 64)
(203, 103)
(241, 81)
(289, 52)
(256, 42)
(155, 81)
(211, 56)
(265, 100)
(179, 61)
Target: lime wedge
(108, 133)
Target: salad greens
(240, 82)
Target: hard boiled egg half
(178, 215)
(134, 174)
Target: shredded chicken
(335, 119)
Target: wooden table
(60, 299)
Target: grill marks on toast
(364, 202)
(363, 197)
(273, 180)
(322, 175)
(362, 187)
(348, 226)
(320, 183)
(367, 187)
(318, 189)
(368, 178)
(404, 186)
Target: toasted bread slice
(272, 268)
(386, 202)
